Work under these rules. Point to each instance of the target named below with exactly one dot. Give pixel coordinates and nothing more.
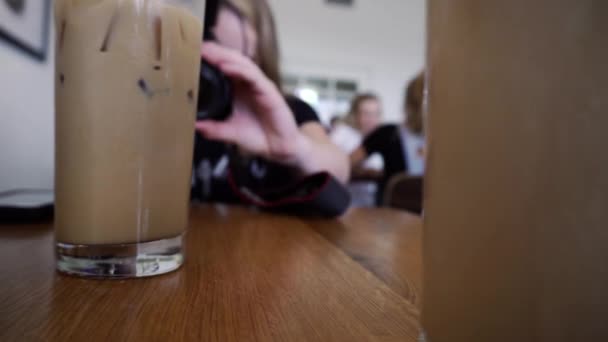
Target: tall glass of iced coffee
(126, 90)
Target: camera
(215, 89)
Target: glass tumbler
(126, 96)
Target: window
(328, 96)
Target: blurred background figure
(364, 117)
(402, 146)
(366, 111)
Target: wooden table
(249, 276)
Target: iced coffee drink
(516, 211)
(126, 90)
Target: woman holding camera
(279, 138)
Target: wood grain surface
(249, 276)
(386, 242)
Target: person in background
(281, 137)
(402, 146)
(364, 116)
(366, 111)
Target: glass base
(122, 260)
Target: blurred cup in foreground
(516, 221)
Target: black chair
(405, 192)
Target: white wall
(26, 120)
(380, 42)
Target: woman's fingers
(265, 101)
(233, 63)
(250, 75)
(218, 55)
(214, 130)
(209, 51)
(213, 52)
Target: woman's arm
(319, 153)
(263, 124)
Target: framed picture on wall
(25, 25)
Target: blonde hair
(259, 14)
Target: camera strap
(319, 195)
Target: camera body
(215, 94)
(215, 89)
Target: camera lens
(215, 94)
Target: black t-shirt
(387, 141)
(213, 160)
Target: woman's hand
(263, 124)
